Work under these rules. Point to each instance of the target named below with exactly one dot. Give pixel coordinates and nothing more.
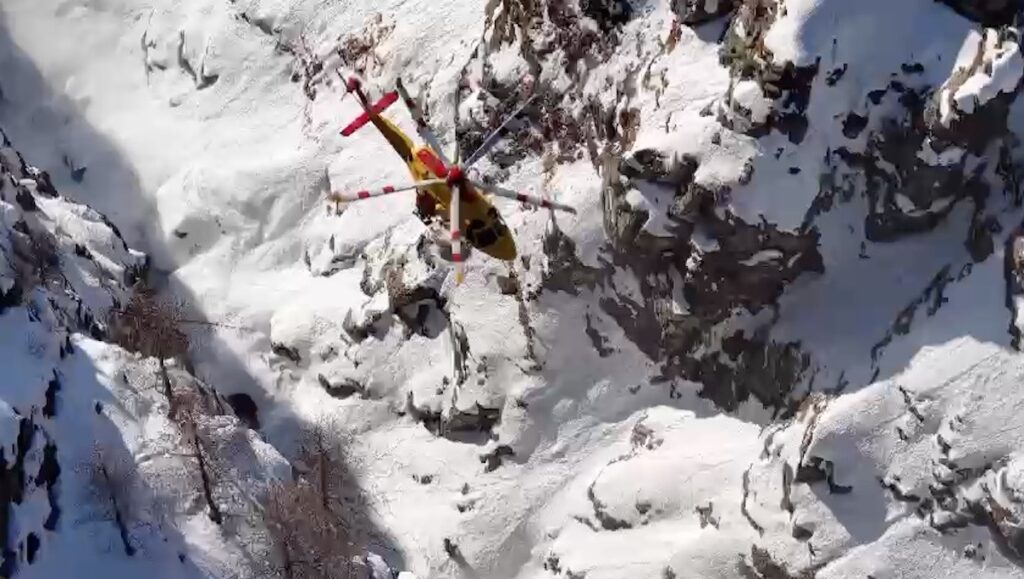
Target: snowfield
(779, 339)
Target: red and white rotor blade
(386, 190)
(421, 123)
(523, 197)
(456, 232)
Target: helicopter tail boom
(377, 108)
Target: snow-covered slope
(95, 472)
(778, 339)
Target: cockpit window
(480, 235)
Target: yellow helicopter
(442, 187)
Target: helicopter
(442, 186)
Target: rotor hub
(455, 175)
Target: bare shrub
(110, 482)
(359, 50)
(309, 528)
(307, 542)
(150, 325)
(320, 454)
(36, 256)
(188, 407)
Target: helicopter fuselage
(482, 225)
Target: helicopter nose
(504, 248)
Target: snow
(1007, 68)
(224, 188)
(749, 95)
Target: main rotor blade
(421, 123)
(523, 197)
(496, 135)
(386, 190)
(456, 232)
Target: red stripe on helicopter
(456, 257)
(386, 101)
(389, 189)
(363, 194)
(433, 163)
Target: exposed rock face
(764, 94)
(986, 12)
(545, 35)
(929, 148)
(1013, 272)
(689, 286)
(73, 462)
(694, 12)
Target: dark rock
(608, 522)
(801, 533)
(52, 387)
(452, 549)
(652, 165)
(346, 388)
(990, 13)
(810, 472)
(49, 468)
(480, 419)
(44, 184)
(11, 298)
(492, 460)
(508, 284)
(912, 68)
(414, 305)
(286, 352)
(31, 548)
(835, 75)
(245, 409)
(1013, 274)
(979, 238)
(876, 96)
(25, 199)
(609, 14)
(767, 371)
(465, 426)
(695, 11)
(750, 269)
(853, 124)
(743, 51)
(741, 273)
(891, 166)
(597, 339)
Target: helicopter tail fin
(378, 107)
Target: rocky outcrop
(714, 266)
(764, 95)
(928, 149)
(693, 12)
(567, 39)
(986, 12)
